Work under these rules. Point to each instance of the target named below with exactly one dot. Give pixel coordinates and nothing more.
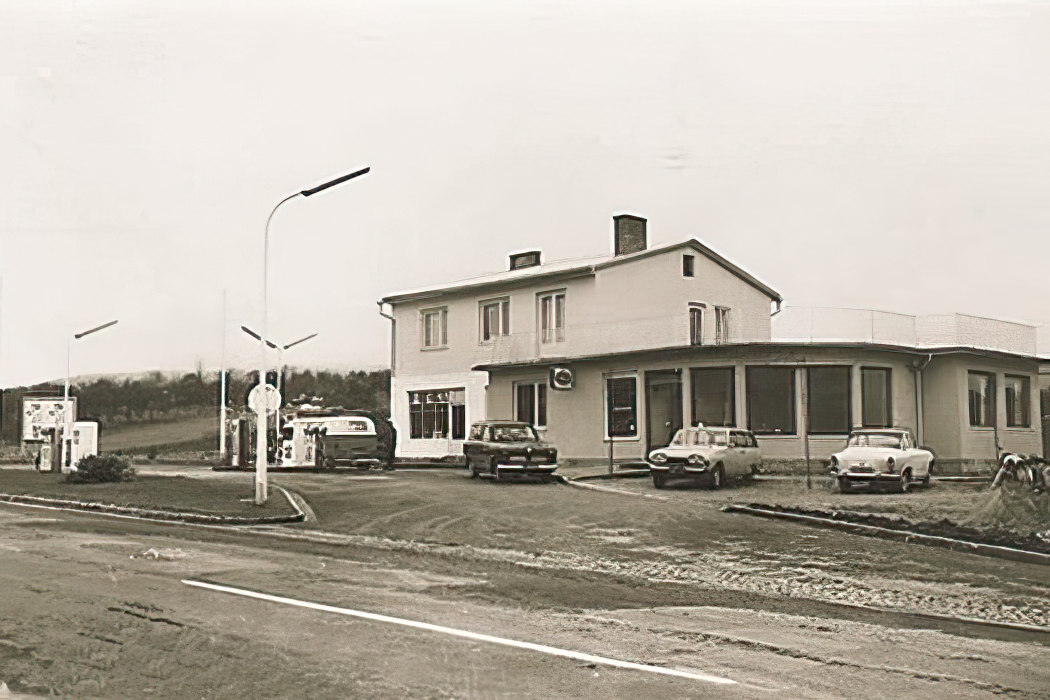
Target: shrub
(96, 469)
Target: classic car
(711, 455)
(502, 448)
(881, 458)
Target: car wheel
(660, 480)
(718, 477)
(844, 485)
(329, 463)
(905, 482)
(926, 478)
(470, 471)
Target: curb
(619, 474)
(163, 515)
(988, 550)
(594, 487)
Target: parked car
(502, 448)
(711, 455)
(881, 458)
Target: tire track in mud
(755, 645)
(727, 570)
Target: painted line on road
(542, 648)
(608, 489)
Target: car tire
(660, 481)
(470, 471)
(905, 482)
(718, 477)
(329, 463)
(844, 486)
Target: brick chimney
(629, 234)
(530, 258)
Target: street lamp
(68, 427)
(260, 443)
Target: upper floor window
(552, 317)
(981, 399)
(1017, 402)
(696, 324)
(687, 265)
(721, 324)
(435, 327)
(495, 318)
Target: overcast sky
(891, 155)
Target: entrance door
(663, 407)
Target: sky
(891, 155)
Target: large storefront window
(875, 397)
(530, 403)
(714, 395)
(1018, 401)
(439, 414)
(622, 406)
(981, 399)
(771, 400)
(829, 399)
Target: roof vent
(629, 234)
(527, 259)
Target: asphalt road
(671, 583)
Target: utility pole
(222, 387)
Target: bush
(97, 469)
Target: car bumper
(519, 468)
(859, 479)
(691, 469)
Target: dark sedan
(503, 448)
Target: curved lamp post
(67, 428)
(260, 425)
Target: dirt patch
(998, 536)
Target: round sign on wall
(272, 399)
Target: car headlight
(658, 457)
(697, 459)
(891, 464)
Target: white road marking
(542, 648)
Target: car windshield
(512, 433)
(875, 440)
(699, 436)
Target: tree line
(157, 397)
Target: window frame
(442, 313)
(448, 414)
(697, 311)
(688, 265)
(748, 371)
(722, 325)
(607, 412)
(990, 408)
(1024, 400)
(502, 305)
(865, 422)
(693, 371)
(809, 399)
(539, 386)
(555, 333)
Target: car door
(752, 457)
(737, 452)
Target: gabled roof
(578, 267)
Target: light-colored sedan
(704, 454)
(881, 458)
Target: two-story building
(655, 338)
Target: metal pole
(65, 407)
(805, 424)
(222, 387)
(261, 422)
